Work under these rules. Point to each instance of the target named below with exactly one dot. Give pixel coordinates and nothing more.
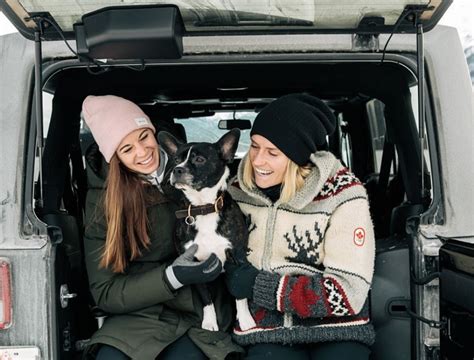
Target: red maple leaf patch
(359, 236)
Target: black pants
(347, 350)
(183, 348)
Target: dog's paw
(211, 326)
(246, 321)
(209, 320)
(244, 316)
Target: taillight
(5, 294)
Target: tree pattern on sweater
(305, 246)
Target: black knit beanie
(297, 124)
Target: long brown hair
(125, 212)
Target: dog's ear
(228, 145)
(168, 142)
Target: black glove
(185, 270)
(240, 279)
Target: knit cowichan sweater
(316, 255)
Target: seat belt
(387, 159)
(79, 174)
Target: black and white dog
(210, 218)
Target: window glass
(47, 109)
(426, 150)
(345, 142)
(207, 128)
(269, 15)
(376, 120)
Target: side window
(47, 110)
(426, 145)
(207, 128)
(376, 121)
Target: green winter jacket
(144, 315)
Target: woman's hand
(240, 279)
(185, 270)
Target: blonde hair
(125, 213)
(293, 180)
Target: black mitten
(240, 279)
(185, 270)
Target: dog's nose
(178, 171)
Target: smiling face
(268, 162)
(138, 151)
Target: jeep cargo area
(199, 72)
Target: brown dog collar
(190, 213)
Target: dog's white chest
(208, 240)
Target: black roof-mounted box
(131, 32)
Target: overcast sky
(460, 14)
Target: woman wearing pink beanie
(134, 271)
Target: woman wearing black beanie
(311, 240)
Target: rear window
(251, 15)
(207, 128)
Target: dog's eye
(199, 159)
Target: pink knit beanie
(111, 118)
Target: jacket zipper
(267, 254)
(267, 247)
